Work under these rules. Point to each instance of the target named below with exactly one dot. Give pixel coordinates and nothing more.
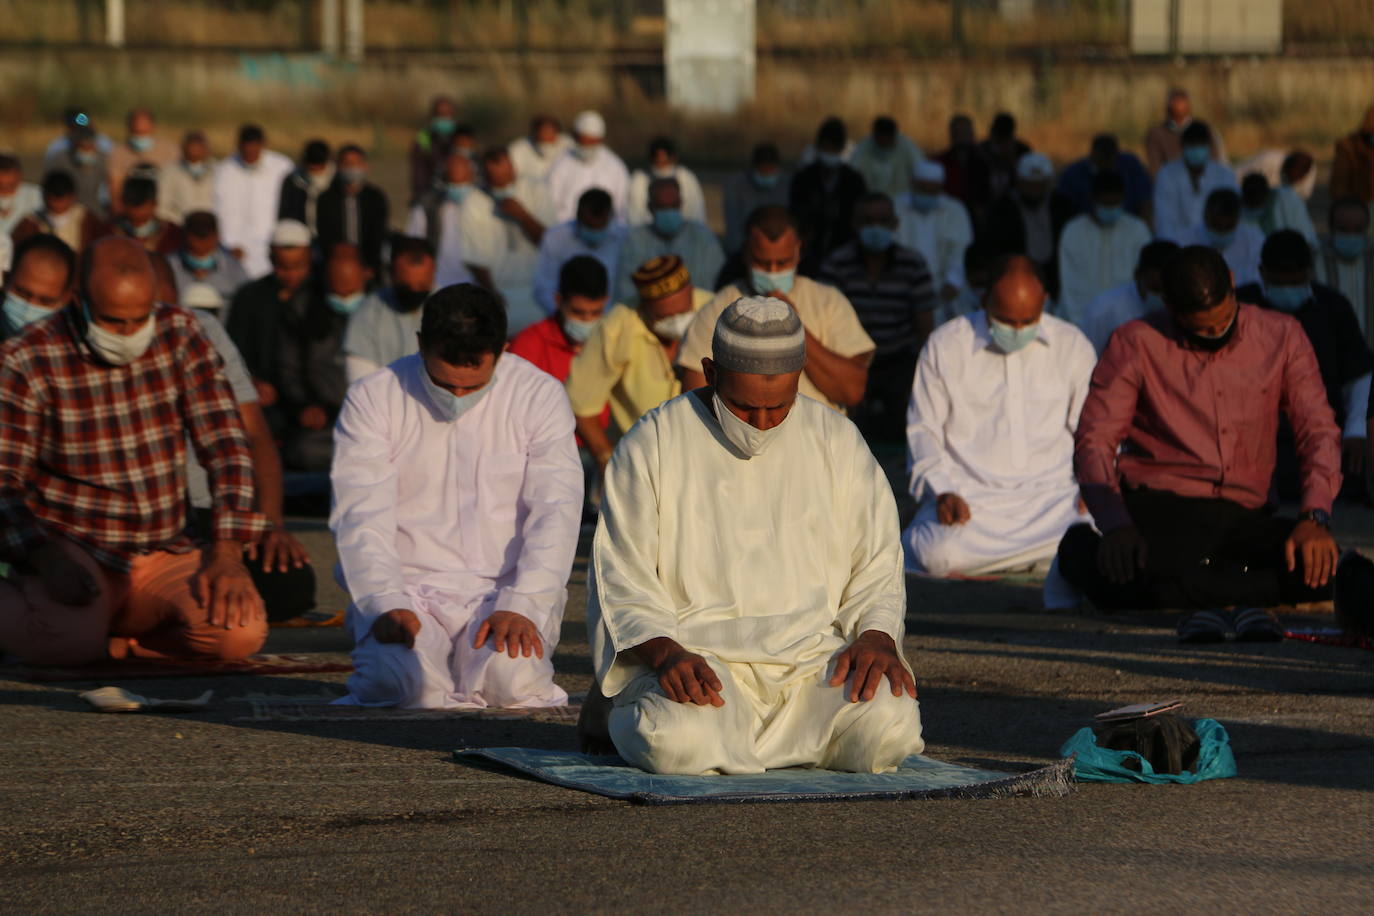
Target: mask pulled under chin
(747, 438)
(118, 349)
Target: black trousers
(1201, 553)
(882, 415)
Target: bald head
(119, 284)
(1016, 296)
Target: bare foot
(593, 725)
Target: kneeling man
(457, 503)
(990, 430)
(746, 600)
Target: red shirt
(1204, 425)
(544, 344)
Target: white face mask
(746, 437)
(450, 406)
(673, 327)
(118, 349)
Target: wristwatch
(1320, 516)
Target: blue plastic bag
(1100, 764)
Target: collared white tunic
(1242, 255)
(455, 520)
(246, 199)
(941, 236)
(532, 162)
(492, 241)
(1094, 258)
(561, 245)
(1178, 205)
(571, 175)
(693, 199)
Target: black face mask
(408, 300)
(1211, 344)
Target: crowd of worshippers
(1112, 378)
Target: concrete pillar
(329, 27)
(709, 54)
(353, 29)
(114, 23)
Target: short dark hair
(464, 130)
(48, 244)
(316, 152)
(664, 144)
(1349, 202)
(884, 126)
(1196, 133)
(766, 154)
(461, 324)
(1106, 145)
(1254, 187)
(59, 183)
(1223, 202)
(1296, 161)
(540, 120)
(494, 154)
(831, 133)
(594, 202)
(1155, 255)
(1286, 250)
(137, 191)
(773, 220)
(200, 224)
(1108, 181)
(410, 246)
(350, 148)
(583, 276)
(9, 163)
(1003, 126)
(251, 133)
(1196, 279)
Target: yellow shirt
(823, 310)
(624, 363)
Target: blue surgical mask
(1349, 245)
(1196, 156)
(668, 222)
(20, 313)
(500, 194)
(457, 192)
(923, 202)
(353, 176)
(1108, 216)
(586, 152)
(875, 237)
(345, 305)
(765, 180)
(141, 142)
(765, 282)
(442, 126)
(196, 169)
(590, 237)
(448, 405)
(578, 331)
(1287, 298)
(1220, 240)
(141, 232)
(1010, 339)
(199, 262)
(830, 160)
(87, 157)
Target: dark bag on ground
(1167, 742)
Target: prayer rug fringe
(139, 668)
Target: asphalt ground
(207, 811)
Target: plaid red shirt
(97, 453)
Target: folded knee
(672, 738)
(933, 553)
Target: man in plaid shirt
(96, 403)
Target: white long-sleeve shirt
(981, 420)
(1178, 205)
(489, 502)
(1242, 255)
(531, 161)
(561, 245)
(1290, 212)
(492, 241)
(941, 236)
(27, 198)
(246, 199)
(1094, 258)
(693, 200)
(1111, 309)
(450, 256)
(571, 175)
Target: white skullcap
(761, 336)
(1034, 167)
(290, 233)
(591, 125)
(929, 170)
(201, 296)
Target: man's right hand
(1121, 554)
(267, 393)
(398, 625)
(684, 676)
(67, 581)
(951, 509)
(313, 418)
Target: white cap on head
(1034, 167)
(929, 170)
(591, 125)
(201, 296)
(290, 233)
(759, 335)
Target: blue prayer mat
(917, 777)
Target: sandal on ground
(1204, 627)
(1255, 624)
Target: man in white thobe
(1222, 229)
(588, 164)
(663, 163)
(457, 503)
(1135, 298)
(18, 198)
(188, 185)
(437, 217)
(535, 154)
(670, 231)
(936, 225)
(1182, 186)
(384, 327)
(886, 158)
(990, 432)
(1345, 260)
(745, 597)
(593, 232)
(247, 190)
(1270, 208)
(1098, 249)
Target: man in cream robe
(746, 598)
(457, 505)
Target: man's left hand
(1317, 549)
(511, 633)
(224, 587)
(278, 548)
(869, 658)
(313, 418)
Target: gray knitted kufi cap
(760, 336)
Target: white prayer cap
(201, 296)
(1034, 167)
(929, 170)
(290, 233)
(591, 125)
(761, 336)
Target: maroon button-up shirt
(1203, 424)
